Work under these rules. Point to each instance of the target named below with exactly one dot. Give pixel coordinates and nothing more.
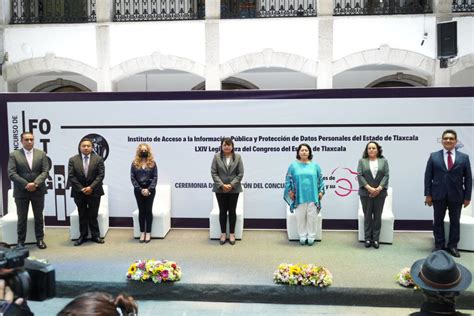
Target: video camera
(29, 279)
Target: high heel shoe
(142, 238)
(223, 239)
(147, 238)
(232, 240)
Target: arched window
(60, 85)
(398, 80)
(231, 83)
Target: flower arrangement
(157, 271)
(404, 278)
(302, 274)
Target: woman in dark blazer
(144, 176)
(227, 171)
(373, 174)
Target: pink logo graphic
(344, 180)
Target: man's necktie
(450, 160)
(86, 165)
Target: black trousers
(145, 210)
(22, 205)
(227, 203)
(88, 208)
(454, 208)
(372, 208)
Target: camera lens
(19, 282)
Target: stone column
(442, 8)
(213, 9)
(104, 11)
(213, 13)
(5, 14)
(325, 48)
(441, 76)
(3, 61)
(104, 82)
(213, 80)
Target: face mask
(144, 154)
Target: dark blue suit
(449, 189)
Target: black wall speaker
(447, 39)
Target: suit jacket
(364, 176)
(455, 184)
(95, 175)
(20, 173)
(223, 174)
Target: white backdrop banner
(184, 135)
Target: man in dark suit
(86, 173)
(448, 185)
(28, 169)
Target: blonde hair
(150, 161)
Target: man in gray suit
(28, 169)
(448, 185)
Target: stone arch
(415, 81)
(155, 61)
(387, 56)
(463, 63)
(29, 67)
(268, 58)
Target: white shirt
(445, 156)
(29, 157)
(374, 167)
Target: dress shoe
(376, 245)
(41, 244)
(79, 242)
(302, 241)
(98, 240)
(454, 252)
(368, 244)
(310, 241)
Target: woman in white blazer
(227, 171)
